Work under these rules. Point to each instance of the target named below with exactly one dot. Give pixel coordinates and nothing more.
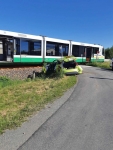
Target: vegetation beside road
(20, 99)
(109, 53)
(104, 65)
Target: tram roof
(19, 35)
(57, 40)
(40, 37)
(86, 44)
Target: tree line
(109, 53)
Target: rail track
(19, 66)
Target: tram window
(103, 51)
(64, 50)
(75, 50)
(95, 50)
(24, 47)
(81, 51)
(50, 49)
(1, 51)
(35, 48)
(1, 48)
(17, 46)
(56, 49)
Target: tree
(107, 53)
(111, 52)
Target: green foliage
(105, 65)
(109, 53)
(28, 80)
(4, 81)
(53, 70)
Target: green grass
(20, 99)
(4, 81)
(105, 65)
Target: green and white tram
(25, 48)
(85, 52)
(55, 49)
(20, 48)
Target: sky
(88, 21)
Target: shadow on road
(101, 78)
(102, 69)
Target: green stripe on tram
(49, 59)
(97, 60)
(27, 60)
(39, 60)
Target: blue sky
(88, 21)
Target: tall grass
(105, 65)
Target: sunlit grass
(20, 99)
(105, 65)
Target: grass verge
(20, 99)
(105, 65)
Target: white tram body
(25, 48)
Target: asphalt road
(84, 121)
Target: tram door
(8, 49)
(88, 54)
(1, 50)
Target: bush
(52, 70)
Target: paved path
(83, 122)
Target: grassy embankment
(105, 65)
(20, 99)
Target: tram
(25, 48)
